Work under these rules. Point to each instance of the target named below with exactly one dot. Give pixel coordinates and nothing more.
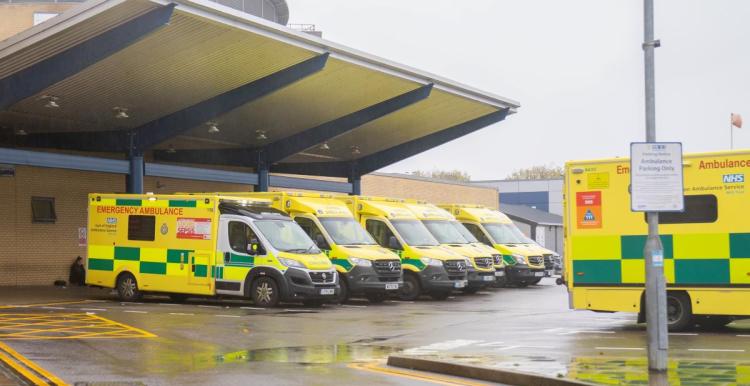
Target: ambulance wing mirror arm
(394, 244)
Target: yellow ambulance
(428, 267)
(706, 247)
(206, 245)
(365, 268)
(480, 272)
(524, 265)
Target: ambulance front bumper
(480, 279)
(310, 285)
(522, 273)
(368, 280)
(437, 279)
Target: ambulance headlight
(431, 261)
(291, 263)
(519, 259)
(360, 262)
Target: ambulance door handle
(183, 260)
(227, 256)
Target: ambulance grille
(498, 259)
(323, 277)
(548, 262)
(387, 267)
(455, 266)
(536, 260)
(483, 262)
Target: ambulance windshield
(346, 231)
(286, 236)
(445, 232)
(503, 233)
(414, 233)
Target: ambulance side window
(379, 231)
(240, 235)
(313, 231)
(142, 228)
(474, 229)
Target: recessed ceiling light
(171, 149)
(21, 132)
(260, 135)
(121, 112)
(213, 127)
(325, 146)
(50, 102)
(356, 150)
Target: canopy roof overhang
(281, 99)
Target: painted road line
(43, 304)
(28, 369)
(507, 348)
(620, 348)
(539, 347)
(181, 313)
(744, 336)
(229, 316)
(253, 308)
(594, 332)
(440, 346)
(53, 308)
(413, 375)
(352, 306)
(683, 333)
(553, 329)
(491, 344)
(93, 309)
(136, 312)
(205, 306)
(714, 350)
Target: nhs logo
(733, 178)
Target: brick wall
(15, 18)
(432, 191)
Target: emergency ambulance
(205, 245)
(365, 268)
(428, 267)
(443, 226)
(524, 265)
(706, 248)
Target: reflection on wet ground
(323, 354)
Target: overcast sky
(576, 66)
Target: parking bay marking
(620, 348)
(29, 370)
(714, 350)
(64, 326)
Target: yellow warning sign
(598, 180)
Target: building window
(699, 209)
(142, 228)
(43, 209)
(41, 17)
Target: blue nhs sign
(733, 178)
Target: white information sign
(656, 177)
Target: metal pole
(656, 288)
(731, 132)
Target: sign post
(656, 186)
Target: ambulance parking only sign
(656, 177)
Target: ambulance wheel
(679, 311)
(127, 288)
(411, 288)
(376, 297)
(343, 291)
(265, 292)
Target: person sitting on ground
(77, 272)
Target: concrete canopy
(176, 67)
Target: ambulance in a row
(524, 262)
(204, 244)
(365, 268)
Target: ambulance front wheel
(411, 289)
(127, 288)
(265, 292)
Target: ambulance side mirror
(393, 243)
(255, 249)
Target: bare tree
(539, 172)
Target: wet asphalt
(231, 342)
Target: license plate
(460, 284)
(391, 286)
(550, 272)
(499, 273)
(539, 274)
(327, 291)
(488, 278)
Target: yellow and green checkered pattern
(706, 260)
(156, 261)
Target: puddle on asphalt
(322, 354)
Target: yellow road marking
(3, 307)
(54, 326)
(53, 379)
(419, 376)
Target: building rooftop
(528, 214)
